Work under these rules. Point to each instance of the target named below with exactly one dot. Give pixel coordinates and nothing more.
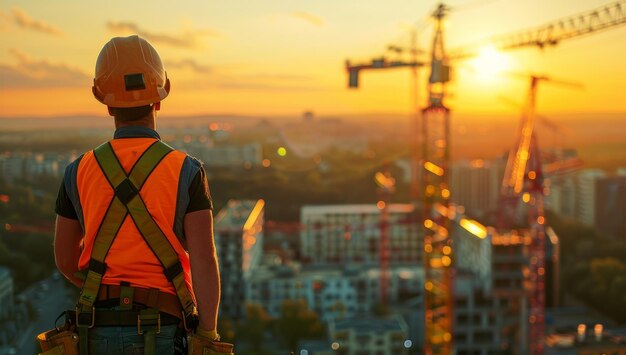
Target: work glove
(206, 342)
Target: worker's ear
(157, 106)
(110, 111)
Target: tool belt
(111, 295)
(64, 339)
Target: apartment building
(341, 234)
(331, 291)
(239, 245)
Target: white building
(339, 234)
(586, 195)
(561, 197)
(41, 164)
(239, 246)
(250, 154)
(476, 185)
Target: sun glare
(489, 63)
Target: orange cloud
(23, 20)
(188, 39)
(188, 64)
(31, 73)
(310, 18)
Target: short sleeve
(64, 206)
(199, 193)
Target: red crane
(386, 186)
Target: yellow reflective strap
(111, 224)
(109, 164)
(161, 247)
(147, 162)
(89, 293)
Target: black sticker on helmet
(134, 82)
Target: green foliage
(604, 271)
(380, 309)
(29, 256)
(253, 328)
(593, 267)
(296, 323)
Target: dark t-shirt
(199, 197)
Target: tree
(604, 271)
(253, 328)
(297, 322)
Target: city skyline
(282, 58)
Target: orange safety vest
(130, 259)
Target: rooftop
(355, 209)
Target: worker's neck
(147, 121)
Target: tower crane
(439, 261)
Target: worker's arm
(67, 237)
(204, 268)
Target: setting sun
(489, 63)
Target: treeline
(29, 257)
(26, 220)
(593, 267)
(339, 177)
(260, 334)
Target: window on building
(483, 337)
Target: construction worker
(134, 221)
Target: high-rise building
(476, 185)
(610, 206)
(561, 197)
(586, 195)
(239, 246)
(339, 234)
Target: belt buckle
(93, 317)
(140, 332)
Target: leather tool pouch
(60, 340)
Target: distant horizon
(299, 115)
(280, 58)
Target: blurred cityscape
(298, 228)
(432, 232)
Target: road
(50, 297)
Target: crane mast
(521, 204)
(438, 258)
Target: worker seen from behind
(134, 221)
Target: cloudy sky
(282, 57)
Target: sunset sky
(282, 57)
